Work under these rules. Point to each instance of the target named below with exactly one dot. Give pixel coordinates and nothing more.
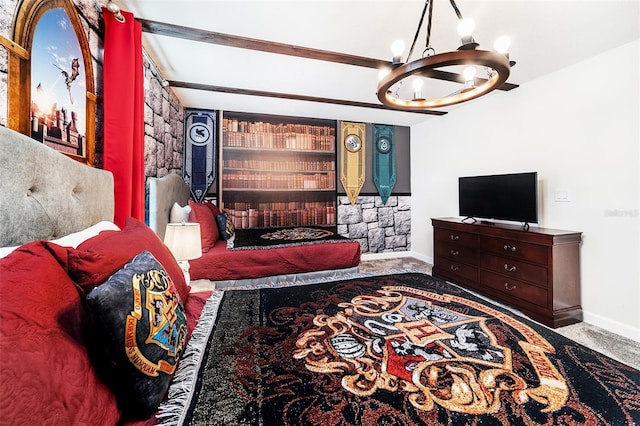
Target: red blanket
(221, 263)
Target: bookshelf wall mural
(277, 171)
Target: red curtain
(124, 114)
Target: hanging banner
(352, 150)
(200, 156)
(384, 160)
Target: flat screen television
(511, 197)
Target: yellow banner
(352, 151)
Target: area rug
(257, 238)
(402, 349)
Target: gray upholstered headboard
(45, 194)
(163, 193)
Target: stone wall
(379, 228)
(163, 127)
(162, 111)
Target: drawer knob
(509, 268)
(455, 237)
(509, 248)
(454, 267)
(510, 287)
(454, 252)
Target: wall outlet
(562, 196)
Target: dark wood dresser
(536, 270)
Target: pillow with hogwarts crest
(139, 333)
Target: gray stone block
(385, 216)
(358, 230)
(376, 240)
(403, 222)
(348, 214)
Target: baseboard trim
(397, 255)
(616, 327)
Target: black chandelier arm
(455, 8)
(428, 42)
(415, 37)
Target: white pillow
(6, 251)
(179, 214)
(72, 240)
(77, 238)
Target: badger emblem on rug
(403, 339)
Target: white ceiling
(546, 36)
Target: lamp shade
(183, 239)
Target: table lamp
(183, 239)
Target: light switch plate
(562, 196)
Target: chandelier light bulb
(469, 74)
(502, 44)
(417, 87)
(397, 48)
(466, 27)
(383, 73)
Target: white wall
(579, 129)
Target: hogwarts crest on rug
(400, 340)
(401, 349)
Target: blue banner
(384, 160)
(200, 164)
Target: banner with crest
(352, 152)
(200, 156)
(384, 160)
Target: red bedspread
(221, 263)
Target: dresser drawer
(457, 253)
(516, 249)
(514, 269)
(515, 288)
(455, 237)
(454, 269)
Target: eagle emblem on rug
(403, 339)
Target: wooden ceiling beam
(249, 92)
(204, 36)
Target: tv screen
(504, 197)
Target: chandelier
(496, 64)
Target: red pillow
(212, 206)
(46, 372)
(208, 226)
(96, 259)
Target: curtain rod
(115, 9)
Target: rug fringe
(293, 281)
(172, 411)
